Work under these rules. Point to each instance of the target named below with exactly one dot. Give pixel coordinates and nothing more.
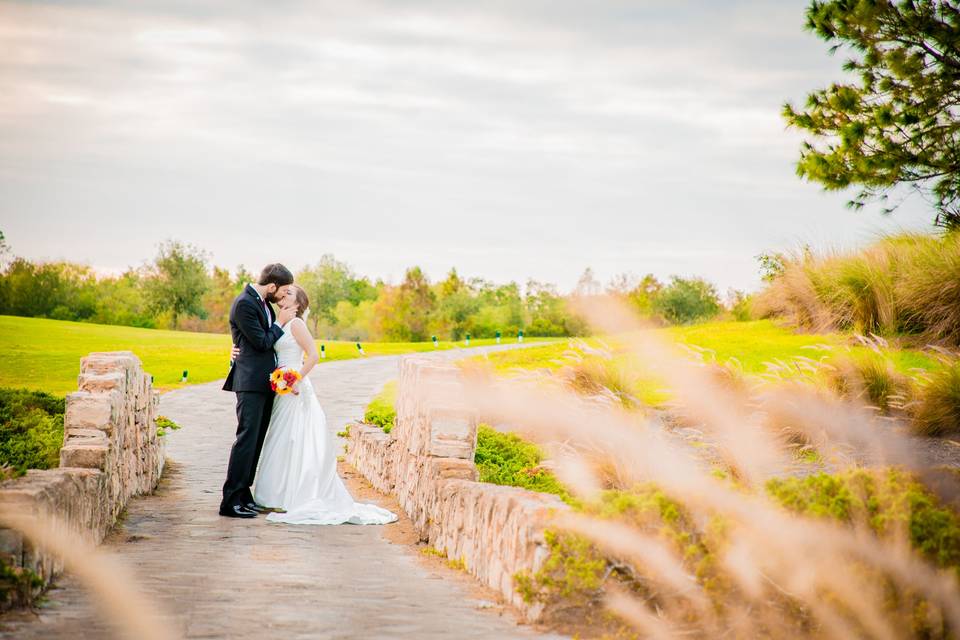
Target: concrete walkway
(223, 578)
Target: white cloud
(510, 139)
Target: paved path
(223, 578)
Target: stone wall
(111, 451)
(427, 462)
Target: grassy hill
(45, 354)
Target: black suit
(255, 333)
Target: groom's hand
(286, 315)
(234, 353)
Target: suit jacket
(255, 334)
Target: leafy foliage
(889, 501)
(898, 125)
(165, 424)
(381, 411)
(18, 585)
(687, 300)
(177, 280)
(507, 459)
(31, 429)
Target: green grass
(44, 355)
(753, 345)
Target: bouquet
(282, 380)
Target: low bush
(165, 424)
(18, 586)
(904, 284)
(31, 429)
(936, 409)
(870, 376)
(381, 410)
(507, 459)
(890, 501)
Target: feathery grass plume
(793, 295)
(907, 283)
(929, 287)
(112, 586)
(779, 574)
(936, 408)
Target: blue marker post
(323, 351)
(360, 349)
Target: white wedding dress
(298, 465)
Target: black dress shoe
(237, 511)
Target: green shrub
(687, 300)
(888, 500)
(574, 571)
(31, 429)
(507, 459)
(381, 410)
(936, 410)
(741, 306)
(164, 424)
(18, 585)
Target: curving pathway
(224, 578)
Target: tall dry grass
(128, 612)
(908, 284)
(777, 574)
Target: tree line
(180, 289)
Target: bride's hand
(295, 389)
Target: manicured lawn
(45, 354)
(754, 344)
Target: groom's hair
(276, 274)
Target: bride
(298, 477)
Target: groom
(255, 328)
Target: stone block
(86, 410)
(452, 435)
(99, 382)
(86, 456)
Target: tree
(899, 124)
(416, 303)
(329, 282)
(587, 285)
(687, 300)
(645, 293)
(4, 251)
(177, 280)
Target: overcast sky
(512, 139)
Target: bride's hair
(303, 302)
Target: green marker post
(498, 337)
(468, 339)
(436, 344)
(323, 351)
(360, 349)
(184, 378)
(520, 335)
